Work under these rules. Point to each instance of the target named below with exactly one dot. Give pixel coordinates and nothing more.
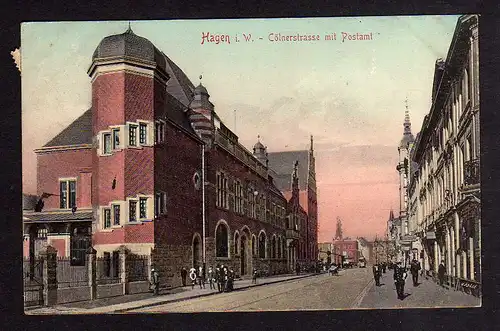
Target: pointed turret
(407, 135)
(260, 152)
(202, 114)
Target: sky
(349, 94)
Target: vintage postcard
(250, 164)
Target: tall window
(142, 133)
(159, 132)
(236, 242)
(222, 190)
(116, 214)
(116, 138)
(132, 135)
(221, 241)
(67, 194)
(132, 211)
(143, 207)
(106, 218)
(238, 191)
(107, 143)
(160, 204)
(262, 245)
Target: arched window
(273, 247)
(279, 248)
(254, 245)
(262, 245)
(236, 243)
(221, 241)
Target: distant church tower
(403, 169)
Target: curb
(203, 295)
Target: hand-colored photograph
(245, 165)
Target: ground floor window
(221, 241)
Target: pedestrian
(201, 277)
(297, 268)
(183, 276)
(225, 281)
(211, 277)
(230, 280)
(192, 276)
(414, 268)
(383, 267)
(441, 273)
(218, 275)
(376, 274)
(399, 279)
(254, 276)
(155, 281)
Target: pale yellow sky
(344, 93)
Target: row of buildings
(151, 166)
(440, 200)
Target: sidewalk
(427, 294)
(128, 302)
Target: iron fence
(137, 267)
(33, 281)
(108, 270)
(70, 274)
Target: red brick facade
(167, 164)
(348, 246)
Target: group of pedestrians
(400, 275)
(221, 277)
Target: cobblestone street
(321, 292)
(427, 294)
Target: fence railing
(107, 271)
(71, 275)
(137, 267)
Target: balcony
(471, 172)
(292, 234)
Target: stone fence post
(92, 272)
(123, 252)
(49, 256)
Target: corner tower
(129, 77)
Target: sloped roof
(77, 133)
(179, 85)
(283, 162)
(58, 216)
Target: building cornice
(50, 149)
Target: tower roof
(131, 46)
(407, 135)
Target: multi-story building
(152, 168)
(445, 189)
(302, 166)
(325, 251)
(347, 248)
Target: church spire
(312, 148)
(407, 123)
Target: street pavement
(322, 292)
(427, 294)
(124, 303)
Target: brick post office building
(151, 166)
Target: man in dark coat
(155, 281)
(414, 268)
(297, 268)
(399, 279)
(441, 273)
(183, 276)
(376, 274)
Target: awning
(58, 216)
